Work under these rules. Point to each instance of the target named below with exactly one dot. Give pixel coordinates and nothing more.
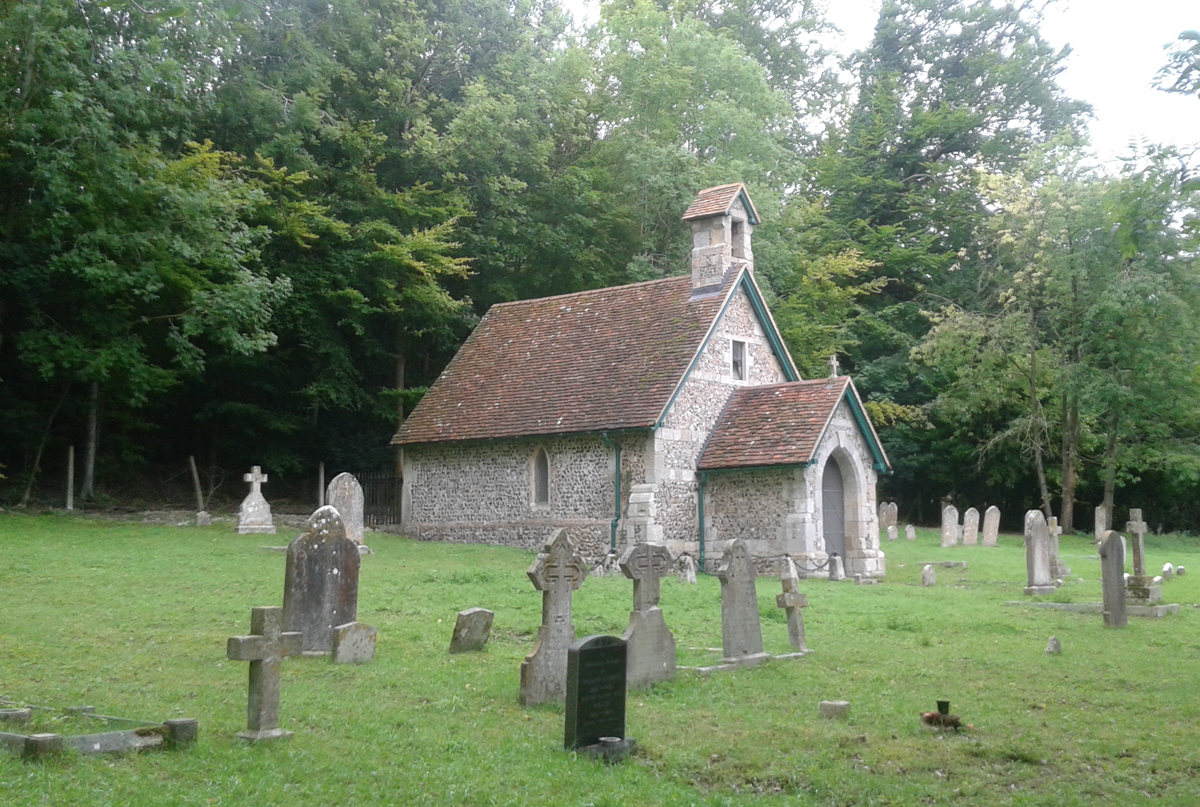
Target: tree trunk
(89, 462)
(1110, 470)
(400, 389)
(37, 457)
(1070, 464)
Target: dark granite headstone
(595, 691)
(320, 588)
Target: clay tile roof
(717, 201)
(591, 361)
(776, 424)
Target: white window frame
(733, 360)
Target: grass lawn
(132, 619)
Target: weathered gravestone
(1057, 567)
(320, 587)
(354, 643)
(557, 571)
(791, 601)
(1100, 525)
(596, 685)
(650, 646)
(910, 532)
(949, 525)
(254, 516)
(345, 495)
(991, 526)
(970, 530)
(1140, 587)
(1112, 579)
(928, 575)
(892, 532)
(1037, 554)
(265, 649)
(837, 571)
(741, 631)
(685, 569)
(471, 630)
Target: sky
(1117, 48)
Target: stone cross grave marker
(970, 531)
(741, 631)
(1112, 579)
(949, 525)
(910, 532)
(991, 525)
(791, 601)
(265, 649)
(345, 494)
(1037, 554)
(650, 646)
(1057, 567)
(1140, 586)
(1100, 526)
(595, 691)
(557, 572)
(471, 630)
(320, 588)
(254, 516)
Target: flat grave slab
(1150, 611)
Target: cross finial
(646, 564)
(833, 366)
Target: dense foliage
(254, 232)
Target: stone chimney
(723, 220)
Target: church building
(668, 411)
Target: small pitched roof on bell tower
(722, 219)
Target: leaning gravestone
(741, 631)
(650, 646)
(949, 525)
(471, 630)
(595, 691)
(991, 526)
(910, 532)
(254, 516)
(265, 649)
(557, 571)
(345, 495)
(1037, 554)
(1112, 579)
(791, 601)
(321, 581)
(970, 533)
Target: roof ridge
(589, 291)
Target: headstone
(1168, 571)
(949, 525)
(1037, 554)
(1180, 571)
(837, 571)
(353, 643)
(991, 526)
(254, 516)
(1101, 524)
(834, 710)
(893, 514)
(1112, 579)
(345, 495)
(892, 532)
(970, 533)
(1057, 567)
(928, 576)
(595, 691)
(888, 512)
(265, 649)
(792, 600)
(910, 532)
(685, 569)
(471, 630)
(650, 647)
(1140, 586)
(557, 571)
(320, 587)
(741, 632)
(1054, 647)
(203, 519)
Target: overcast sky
(1117, 48)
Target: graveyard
(133, 620)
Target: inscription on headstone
(595, 691)
(321, 581)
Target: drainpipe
(612, 529)
(702, 477)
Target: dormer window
(738, 363)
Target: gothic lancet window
(541, 477)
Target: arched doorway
(833, 508)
